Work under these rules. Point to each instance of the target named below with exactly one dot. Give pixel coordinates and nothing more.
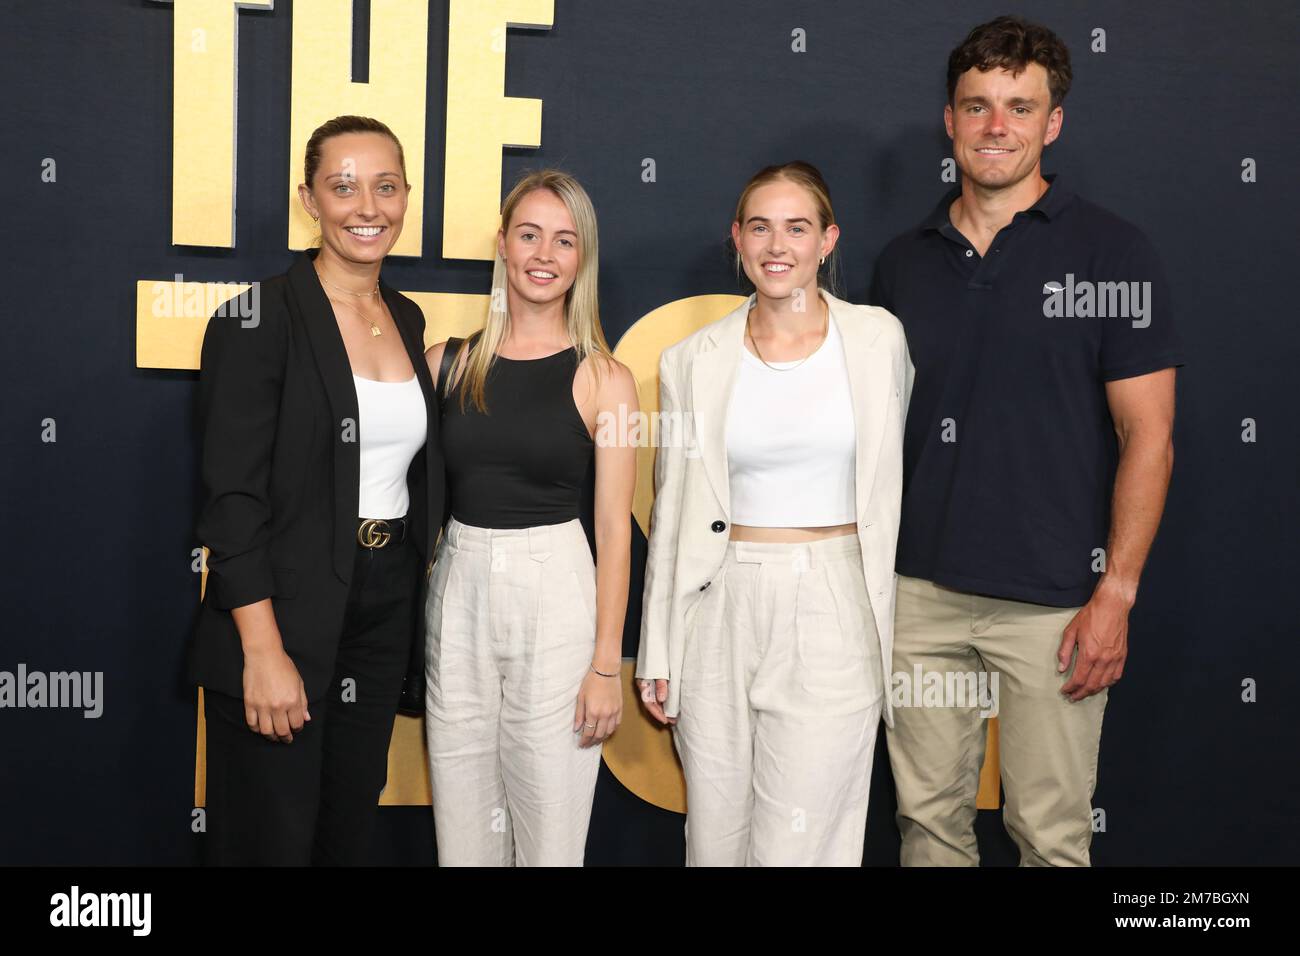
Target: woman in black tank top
(524, 629)
(525, 463)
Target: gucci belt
(380, 532)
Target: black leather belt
(375, 533)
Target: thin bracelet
(602, 674)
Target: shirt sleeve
(241, 376)
(661, 559)
(1143, 338)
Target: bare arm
(433, 355)
(615, 483)
(601, 700)
(1142, 408)
(258, 631)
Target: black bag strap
(449, 353)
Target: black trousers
(315, 801)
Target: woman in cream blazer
(775, 689)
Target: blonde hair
(810, 178)
(581, 305)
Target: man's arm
(1142, 408)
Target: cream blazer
(692, 510)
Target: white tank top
(392, 429)
(791, 441)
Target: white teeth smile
(776, 267)
(365, 230)
(539, 274)
(990, 149)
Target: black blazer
(281, 474)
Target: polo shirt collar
(1048, 207)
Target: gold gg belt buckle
(373, 533)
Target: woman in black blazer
(322, 492)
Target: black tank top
(523, 463)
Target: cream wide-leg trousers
(511, 632)
(781, 696)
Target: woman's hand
(275, 700)
(600, 708)
(653, 695)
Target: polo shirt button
(719, 526)
(705, 585)
(969, 253)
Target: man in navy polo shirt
(1037, 454)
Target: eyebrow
(984, 101)
(520, 225)
(383, 175)
(765, 219)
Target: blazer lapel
(410, 338)
(713, 375)
(336, 372)
(869, 383)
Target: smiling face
(781, 240)
(540, 248)
(1000, 123)
(359, 195)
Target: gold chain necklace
(826, 324)
(375, 330)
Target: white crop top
(791, 441)
(393, 427)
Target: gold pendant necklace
(825, 328)
(375, 330)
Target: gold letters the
(481, 118)
(204, 77)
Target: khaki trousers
(512, 629)
(781, 696)
(1048, 745)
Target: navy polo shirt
(1009, 449)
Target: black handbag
(411, 703)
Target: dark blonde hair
(810, 178)
(338, 126)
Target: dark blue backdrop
(99, 525)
